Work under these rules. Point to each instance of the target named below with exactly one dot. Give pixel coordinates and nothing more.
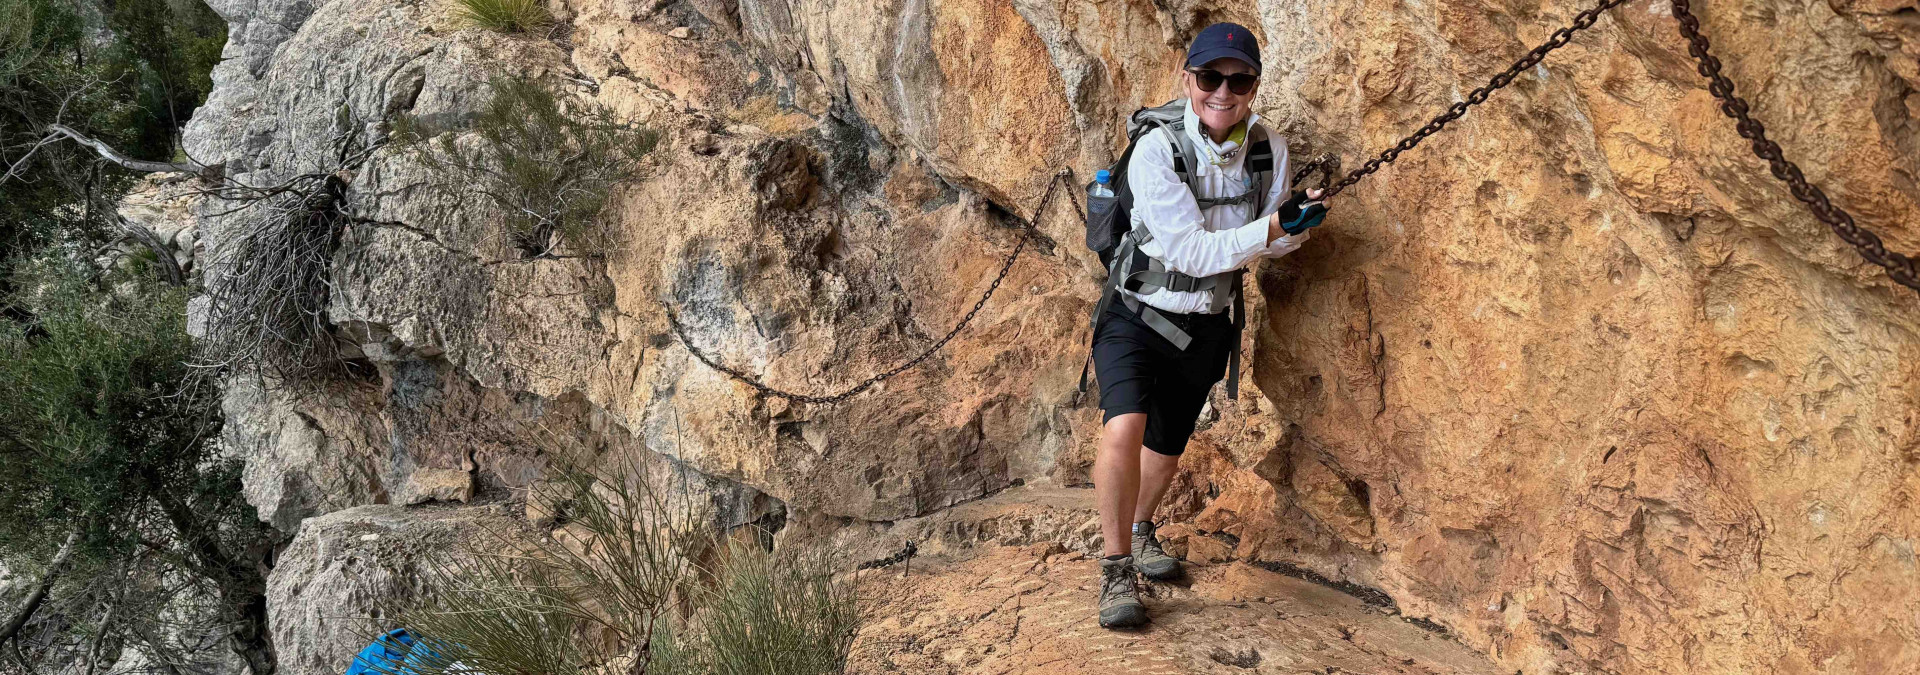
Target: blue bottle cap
(1102, 176)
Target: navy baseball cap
(1224, 41)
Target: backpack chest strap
(1259, 164)
(1243, 198)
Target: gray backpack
(1111, 234)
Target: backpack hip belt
(1133, 270)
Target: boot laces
(1150, 542)
(1117, 581)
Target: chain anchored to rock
(1560, 38)
(1027, 231)
(904, 555)
(1899, 267)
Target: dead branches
(143, 166)
(56, 132)
(267, 286)
(268, 279)
(39, 595)
(169, 267)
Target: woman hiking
(1199, 216)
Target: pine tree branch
(39, 594)
(55, 131)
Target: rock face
(348, 568)
(1575, 378)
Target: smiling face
(1220, 109)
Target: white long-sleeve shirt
(1203, 243)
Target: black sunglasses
(1210, 79)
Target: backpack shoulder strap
(1260, 164)
(1184, 156)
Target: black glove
(1298, 215)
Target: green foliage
(769, 612)
(104, 432)
(613, 570)
(93, 416)
(19, 45)
(127, 72)
(58, 74)
(171, 46)
(548, 171)
(507, 16)
(498, 617)
(608, 586)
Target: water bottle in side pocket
(1101, 202)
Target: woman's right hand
(1292, 210)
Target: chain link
(905, 554)
(1027, 231)
(1328, 164)
(1899, 267)
(1560, 38)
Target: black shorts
(1142, 372)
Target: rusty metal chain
(1027, 231)
(1899, 267)
(1560, 38)
(1327, 164)
(904, 555)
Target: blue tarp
(395, 654)
(384, 656)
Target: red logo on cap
(1229, 37)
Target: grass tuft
(768, 612)
(631, 579)
(507, 16)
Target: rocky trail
(1029, 609)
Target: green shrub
(18, 45)
(606, 591)
(769, 613)
(109, 440)
(126, 73)
(507, 16)
(90, 397)
(547, 171)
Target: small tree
(548, 169)
(109, 474)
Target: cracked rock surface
(1574, 379)
(1031, 610)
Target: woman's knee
(1125, 429)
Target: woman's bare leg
(1156, 473)
(1116, 479)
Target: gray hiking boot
(1119, 602)
(1153, 562)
